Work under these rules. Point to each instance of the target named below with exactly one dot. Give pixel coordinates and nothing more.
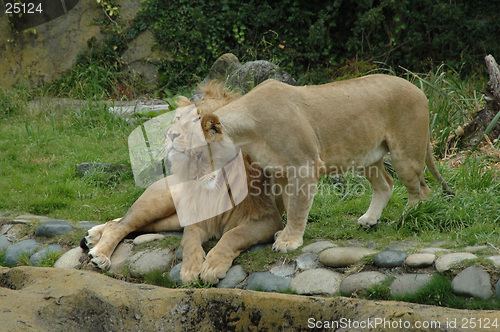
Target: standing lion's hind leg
(382, 190)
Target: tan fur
(255, 220)
(299, 133)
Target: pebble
(70, 259)
(53, 227)
(145, 238)
(420, 260)
(318, 247)
(316, 281)
(475, 248)
(4, 242)
(409, 283)
(147, 261)
(284, 270)
(234, 276)
(175, 274)
(361, 281)
(390, 258)
(267, 282)
(473, 281)
(343, 256)
(44, 252)
(433, 250)
(178, 254)
(15, 251)
(308, 261)
(120, 257)
(495, 260)
(446, 262)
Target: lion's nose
(172, 136)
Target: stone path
(321, 268)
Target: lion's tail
(431, 166)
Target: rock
(120, 257)
(256, 247)
(308, 261)
(44, 252)
(4, 242)
(70, 259)
(234, 276)
(30, 216)
(173, 234)
(475, 248)
(252, 73)
(15, 251)
(48, 299)
(361, 281)
(223, 67)
(284, 270)
(343, 256)
(145, 238)
(318, 247)
(420, 260)
(267, 282)
(390, 258)
(178, 254)
(433, 250)
(147, 261)
(53, 228)
(4, 229)
(87, 224)
(473, 281)
(84, 168)
(400, 247)
(409, 283)
(316, 281)
(446, 262)
(495, 260)
(175, 274)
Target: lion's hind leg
(382, 190)
(93, 236)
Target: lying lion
(255, 220)
(299, 133)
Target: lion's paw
(367, 221)
(285, 242)
(100, 260)
(190, 273)
(93, 236)
(214, 268)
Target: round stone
(70, 259)
(147, 261)
(446, 262)
(420, 260)
(409, 283)
(361, 281)
(44, 252)
(497, 290)
(473, 281)
(284, 270)
(390, 258)
(267, 282)
(145, 238)
(120, 257)
(4, 242)
(317, 281)
(495, 260)
(53, 228)
(343, 256)
(175, 274)
(318, 247)
(307, 261)
(14, 252)
(234, 276)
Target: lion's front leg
(192, 252)
(93, 236)
(220, 258)
(298, 198)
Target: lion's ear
(211, 128)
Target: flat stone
(4, 229)
(4, 242)
(308, 261)
(120, 257)
(433, 250)
(87, 224)
(390, 258)
(409, 283)
(15, 251)
(318, 247)
(147, 261)
(317, 281)
(70, 259)
(234, 276)
(53, 228)
(284, 270)
(343, 256)
(446, 262)
(44, 252)
(173, 234)
(473, 281)
(400, 247)
(178, 254)
(145, 238)
(175, 274)
(420, 260)
(30, 216)
(361, 281)
(495, 260)
(267, 282)
(476, 248)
